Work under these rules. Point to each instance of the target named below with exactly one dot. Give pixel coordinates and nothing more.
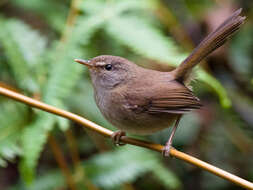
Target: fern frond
(114, 8)
(131, 5)
(33, 139)
(55, 14)
(23, 50)
(63, 75)
(47, 181)
(166, 176)
(125, 165)
(144, 39)
(13, 117)
(91, 7)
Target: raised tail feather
(213, 41)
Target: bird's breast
(116, 108)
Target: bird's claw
(166, 150)
(116, 136)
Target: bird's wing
(172, 100)
(176, 102)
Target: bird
(142, 101)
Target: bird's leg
(166, 149)
(116, 137)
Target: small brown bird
(143, 101)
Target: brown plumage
(213, 41)
(143, 101)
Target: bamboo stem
(107, 133)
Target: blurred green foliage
(39, 41)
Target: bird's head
(108, 71)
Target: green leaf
(54, 12)
(13, 116)
(92, 7)
(144, 39)
(126, 6)
(166, 176)
(23, 53)
(111, 169)
(47, 181)
(216, 86)
(63, 75)
(33, 139)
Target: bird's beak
(84, 62)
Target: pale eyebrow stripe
(100, 63)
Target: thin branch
(107, 133)
(165, 15)
(71, 141)
(59, 157)
(72, 15)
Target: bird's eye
(108, 67)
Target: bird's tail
(213, 41)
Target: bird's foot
(116, 136)
(166, 150)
